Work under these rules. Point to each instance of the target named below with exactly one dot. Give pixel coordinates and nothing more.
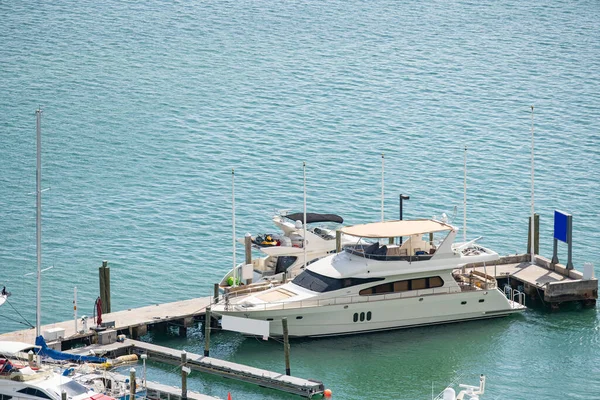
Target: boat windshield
(72, 388)
(320, 283)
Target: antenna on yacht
(382, 174)
(38, 221)
(233, 221)
(532, 247)
(465, 199)
(304, 242)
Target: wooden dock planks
(124, 320)
(215, 366)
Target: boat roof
(315, 217)
(8, 348)
(387, 229)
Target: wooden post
(286, 345)
(207, 332)
(183, 375)
(104, 273)
(338, 241)
(216, 293)
(248, 246)
(132, 384)
(536, 224)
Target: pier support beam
(184, 373)
(286, 345)
(132, 384)
(216, 293)
(536, 239)
(104, 275)
(207, 332)
(136, 331)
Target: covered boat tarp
(59, 355)
(315, 217)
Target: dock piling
(207, 332)
(104, 274)
(184, 375)
(63, 395)
(132, 384)
(338, 241)
(216, 293)
(536, 240)
(286, 345)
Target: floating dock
(214, 366)
(551, 284)
(158, 391)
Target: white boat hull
(339, 319)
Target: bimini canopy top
(8, 348)
(314, 217)
(390, 229)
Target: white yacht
(284, 252)
(378, 287)
(22, 379)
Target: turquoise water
(148, 106)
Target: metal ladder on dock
(515, 295)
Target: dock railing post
(132, 384)
(286, 345)
(207, 332)
(248, 248)
(183, 375)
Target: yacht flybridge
(285, 252)
(400, 280)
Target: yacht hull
(379, 315)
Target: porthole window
(369, 316)
(362, 316)
(269, 319)
(299, 317)
(463, 302)
(481, 300)
(355, 318)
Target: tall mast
(233, 222)
(38, 222)
(382, 179)
(304, 241)
(532, 248)
(465, 199)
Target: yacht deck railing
(354, 299)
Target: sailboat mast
(304, 241)
(532, 237)
(38, 221)
(233, 224)
(465, 198)
(382, 182)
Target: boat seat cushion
(372, 248)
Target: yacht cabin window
(404, 286)
(320, 283)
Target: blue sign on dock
(561, 226)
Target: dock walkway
(134, 320)
(158, 391)
(552, 283)
(210, 365)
